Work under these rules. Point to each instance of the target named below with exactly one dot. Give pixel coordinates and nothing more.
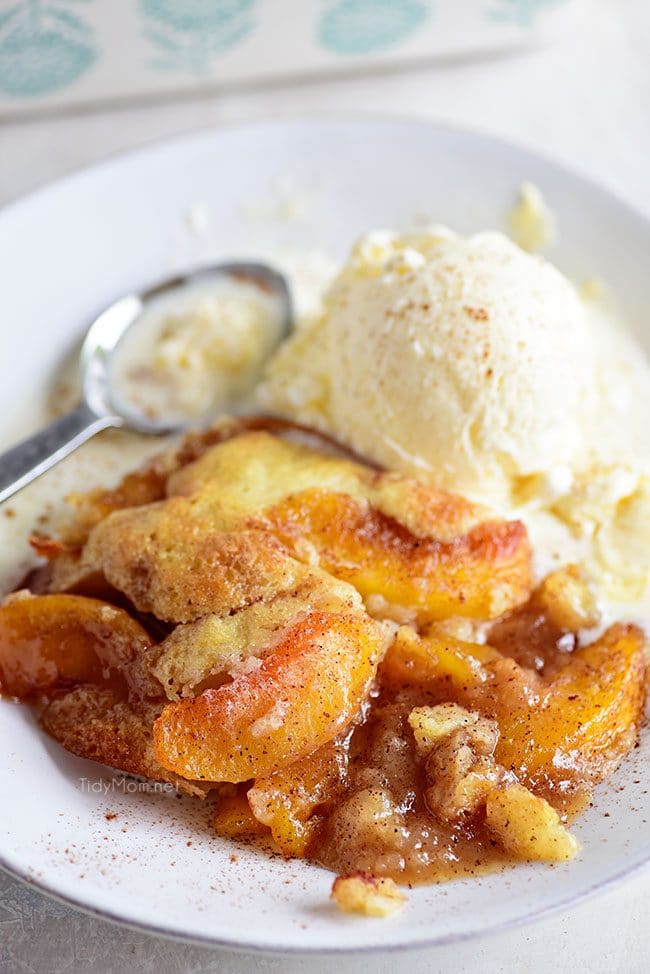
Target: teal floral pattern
(522, 13)
(44, 46)
(82, 51)
(188, 34)
(350, 27)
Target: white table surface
(586, 101)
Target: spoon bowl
(102, 407)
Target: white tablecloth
(585, 101)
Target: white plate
(71, 248)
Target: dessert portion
(376, 632)
(467, 362)
(349, 662)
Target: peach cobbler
(342, 658)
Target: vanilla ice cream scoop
(463, 359)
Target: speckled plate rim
(235, 944)
(260, 947)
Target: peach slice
(287, 801)
(527, 827)
(413, 660)
(559, 734)
(481, 573)
(51, 640)
(233, 818)
(577, 726)
(302, 695)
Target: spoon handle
(29, 459)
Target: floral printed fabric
(73, 51)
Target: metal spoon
(100, 407)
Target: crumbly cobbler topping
(351, 663)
